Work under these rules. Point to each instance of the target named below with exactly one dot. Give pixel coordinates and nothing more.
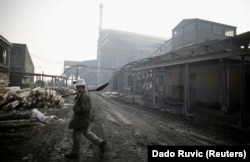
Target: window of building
(3, 56)
(189, 28)
(218, 29)
(229, 32)
(205, 27)
(178, 32)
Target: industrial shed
(213, 74)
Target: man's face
(79, 88)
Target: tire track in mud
(171, 130)
(153, 130)
(122, 144)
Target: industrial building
(115, 49)
(211, 72)
(21, 63)
(17, 68)
(194, 31)
(5, 47)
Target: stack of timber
(63, 90)
(17, 119)
(14, 98)
(44, 98)
(4, 82)
(16, 126)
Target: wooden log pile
(14, 97)
(17, 121)
(45, 98)
(4, 82)
(20, 125)
(16, 126)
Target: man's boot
(102, 146)
(72, 156)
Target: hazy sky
(58, 30)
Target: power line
(47, 60)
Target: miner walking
(81, 120)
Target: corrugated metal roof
(5, 40)
(184, 22)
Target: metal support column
(120, 81)
(153, 86)
(52, 81)
(42, 82)
(242, 91)
(134, 77)
(186, 90)
(76, 72)
(225, 86)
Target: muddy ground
(128, 130)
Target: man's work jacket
(83, 112)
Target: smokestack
(98, 47)
(100, 25)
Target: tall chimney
(100, 25)
(98, 48)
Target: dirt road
(128, 130)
